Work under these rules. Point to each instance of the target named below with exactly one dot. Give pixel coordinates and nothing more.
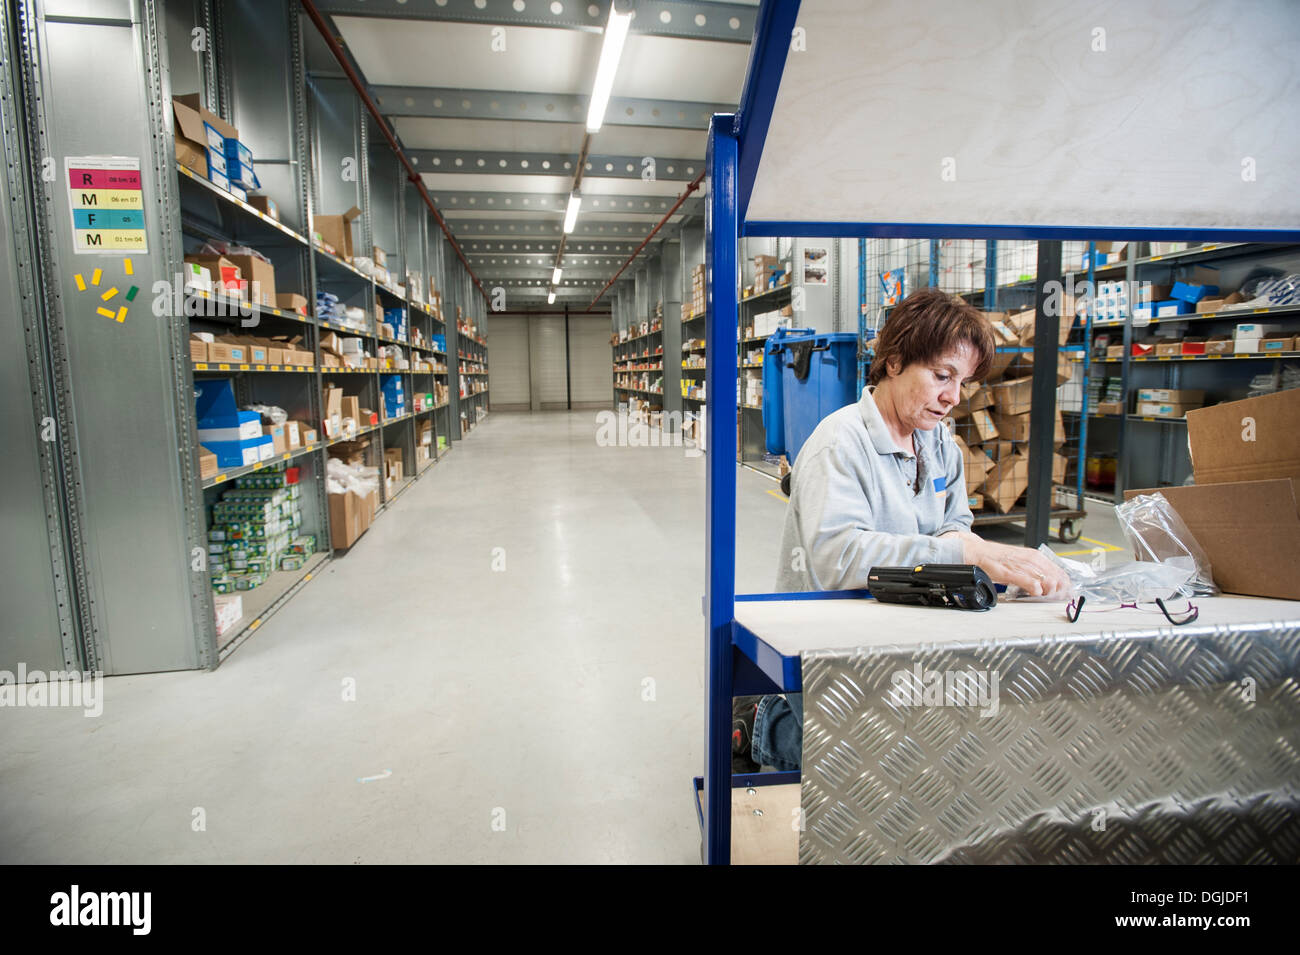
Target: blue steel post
(934, 263)
(721, 232)
(862, 315)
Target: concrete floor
(550, 711)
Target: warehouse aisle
(548, 710)
(537, 697)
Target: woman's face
(923, 393)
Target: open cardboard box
(1243, 508)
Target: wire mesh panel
(992, 419)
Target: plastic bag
(271, 414)
(1155, 532)
(1134, 582)
(340, 478)
(225, 248)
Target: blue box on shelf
(240, 426)
(439, 341)
(1144, 311)
(1187, 292)
(234, 454)
(1173, 306)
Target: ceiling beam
(722, 22)
(542, 273)
(588, 229)
(476, 248)
(452, 103)
(479, 161)
(482, 200)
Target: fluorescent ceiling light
(571, 214)
(610, 52)
(555, 277)
(550, 299)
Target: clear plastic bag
(271, 414)
(1156, 533)
(1136, 581)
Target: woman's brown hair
(930, 323)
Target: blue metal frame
(720, 338)
(958, 230)
(735, 147)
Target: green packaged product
(217, 534)
(217, 548)
(292, 561)
(259, 565)
(223, 584)
(249, 581)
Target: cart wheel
(1069, 531)
(785, 485)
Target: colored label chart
(106, 195)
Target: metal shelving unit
(111, 413)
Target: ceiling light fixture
(571, 214)
(611, 50)
(550, 299)
(555, 277)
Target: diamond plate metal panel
(1157, 746)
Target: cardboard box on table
(1243, 508)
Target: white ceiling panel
(509, 136)
(430, 53)
(696, 71)
(648, 141)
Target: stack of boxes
(394, 396)
(991, 422)
(1168, 402)
(768, 273)
(698, 292)
(392, 470)
(256, 529)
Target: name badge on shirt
(940, 486)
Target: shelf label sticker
(106, 198)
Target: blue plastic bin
(818, 375)
(773, 404)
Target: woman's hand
(1024, 567)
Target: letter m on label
(94, 239)
(89, 199)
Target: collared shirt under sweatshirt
(857, 501)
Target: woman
(880, 484)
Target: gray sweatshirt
(854, 502)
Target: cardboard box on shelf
(291, 302)
(279, 439)
(228, 352)
(350, 515)
(1167, 349)
(208, 465)
(1012, 397)
(198, 348)
(1164, 409)
(1110, 407)
(265, 205)
(1175, 395)
(260, 276)
(1114, 352)
(225, 274)
(350, 407)
(332, 425)
(1059, 463)
(1277, 343)
(1209, 305)
(201, 137)
(1006, 482)
(293, 434)
(336, 230)
(1219, 345)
